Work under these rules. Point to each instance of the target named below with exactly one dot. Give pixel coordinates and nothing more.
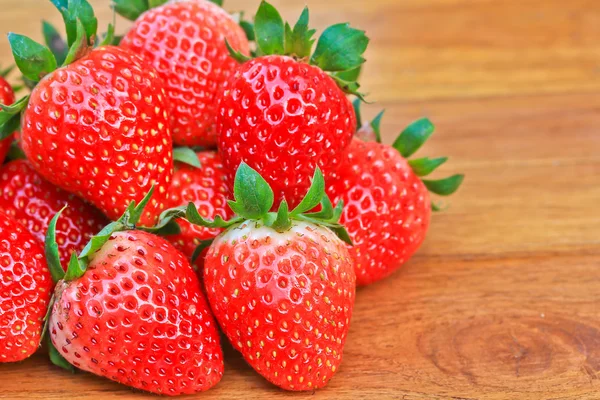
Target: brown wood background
(503, 300)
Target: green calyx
(339, 49)
(253, 200)
(132, 9)
(411, 139)
(187, 156)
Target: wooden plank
(502, 300)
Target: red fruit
(387, 207)
(185, 42)
(286, 113)
(25, 288)
(7, 97)
(206, 187)
(99, 128)
(283, 118)
(26, 197)
(137, 316)
(284, 300)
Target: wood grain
(503, 300)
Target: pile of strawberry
(199, 173)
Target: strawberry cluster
(201, 172)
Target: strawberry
(207, 188)
(388, 207)
(7, 97)
(281, 284)
(25, 288)
(130, 309)
(283, 113)
(98, 126)
(185, 42)
(26, 197)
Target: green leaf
(217, 2)
(269, 30)
(73, 10)
(376, 126)
(156, 3)
(9, 127)
(55, 42)
(282, 221)
(170, 228)
(248, 28)
(413, 137)
(341, 232)
(97, 241)
(236, 55)
(349, 87)
(194, 217)
(130, 9)
(10, 117)
(356, 104)
(340, 48)
(138, 210)
(424, 166)
(187, 156)
(51, 249)
(299, 42)
(79, 47)
(33, 59)
(13, 109)
(337, 211)
(109, 37)
(350, 75)
(117, 40)
(166, 218)
(326, 213)
(76, 268)
(200, 248)
(313, 196)
(57, 359)
(15, 152)
(253, 195)
(444, 187)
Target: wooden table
(503, 300)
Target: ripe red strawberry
(97, 127)
(130, 309)
(387, 205)
(206, 187)
(185, 42)
(281, 285)
(282, 113)
(25, 289)
(26, 197)
(7, 97)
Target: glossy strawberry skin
(31, 200)
(99, 128)
(185, 42)
(207, 188)
(283, 118)
(137, 316)
(25, 289)
(386, 208)
(7, 97)
(284, 300)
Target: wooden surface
(503, 300)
